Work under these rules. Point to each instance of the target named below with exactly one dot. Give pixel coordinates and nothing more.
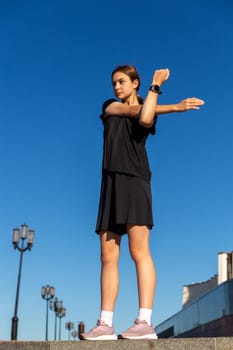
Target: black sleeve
(106, 104)
(153, 128)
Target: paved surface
(161, 344)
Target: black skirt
(124, 199)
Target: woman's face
(123, 86)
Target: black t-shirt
(124, 145)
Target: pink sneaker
(140, 330)
(101, 332)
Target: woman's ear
(135, 83)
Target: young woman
(125, 205)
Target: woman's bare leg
(110, 251)
(146, 275)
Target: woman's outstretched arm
(123, 109)
(150, 107)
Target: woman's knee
(110, 249)
(139, 242)
(139, 253)
(109, 255)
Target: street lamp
(69, 326)
(74, 334)
(47, 293)
(20, 235)
(61, 313)
(53, 305)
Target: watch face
(155, 88)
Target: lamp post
(47, 293)
(61, 314)
(69, 326)
(53, 305)
(74, 334)
(20, 235)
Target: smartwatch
(156, 89)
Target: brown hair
(132, 73)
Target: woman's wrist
(176, 107)
(156, 82)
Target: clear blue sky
(56, 58)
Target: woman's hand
(160, 76)
(189, 103)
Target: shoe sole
(101, 337)
(147, 336)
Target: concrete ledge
(161, 344)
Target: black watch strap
(156, 89)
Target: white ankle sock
(107, 317)
(144, 315)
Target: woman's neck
(132, 100)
